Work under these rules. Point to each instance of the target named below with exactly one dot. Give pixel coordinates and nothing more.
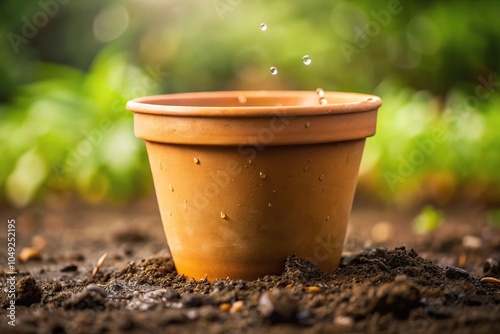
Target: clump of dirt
(376, 289)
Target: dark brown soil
(376, 289)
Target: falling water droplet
(323, 101)
(242, 99)
(327, 218)
(321, 177)
(273, 70)
(307, 125)
(320, 92)
(262, 175)
(222, 215)
(171, 188)
(196, 160)
(270, 205)
(306, 60)
(263, 26)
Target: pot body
(238, 195)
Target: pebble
(305, 318)
(29, 254)
(343, 321)
(277, 306)
(491, 267)
(225, 307)
(312, 289)
(93, 297)
(97, 289)
(38, 242)
(191, 300)
(456, 273)
(237, 306)
(69, 268)
(173, 316)
(472, 242)
(27, 291)
(210, 313)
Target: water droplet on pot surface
(171, 188)
(270, 205)
(222, 215)
(321, 177)
(323, 101)
(262, 175)
(196, 160)
(307, 125)
(242, 99)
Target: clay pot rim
(297, 103)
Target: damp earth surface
(389, 280)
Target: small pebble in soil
(69, 268)
(398, 297)
(29, 254)
(93, 297)
(192, 300)
(472, 242)
(97, 289)
(237, 306)
(312, 289)
(173, 316)
(277, 306)
(225, 307)
(343, 321)
(491, 267)
(27, 291)
(456, 273)
(38, 242)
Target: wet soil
(400, 283)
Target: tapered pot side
(246, 179)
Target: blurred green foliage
(68, 68)
(427, 220)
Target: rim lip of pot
(262, 103)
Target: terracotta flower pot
(245, 179)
